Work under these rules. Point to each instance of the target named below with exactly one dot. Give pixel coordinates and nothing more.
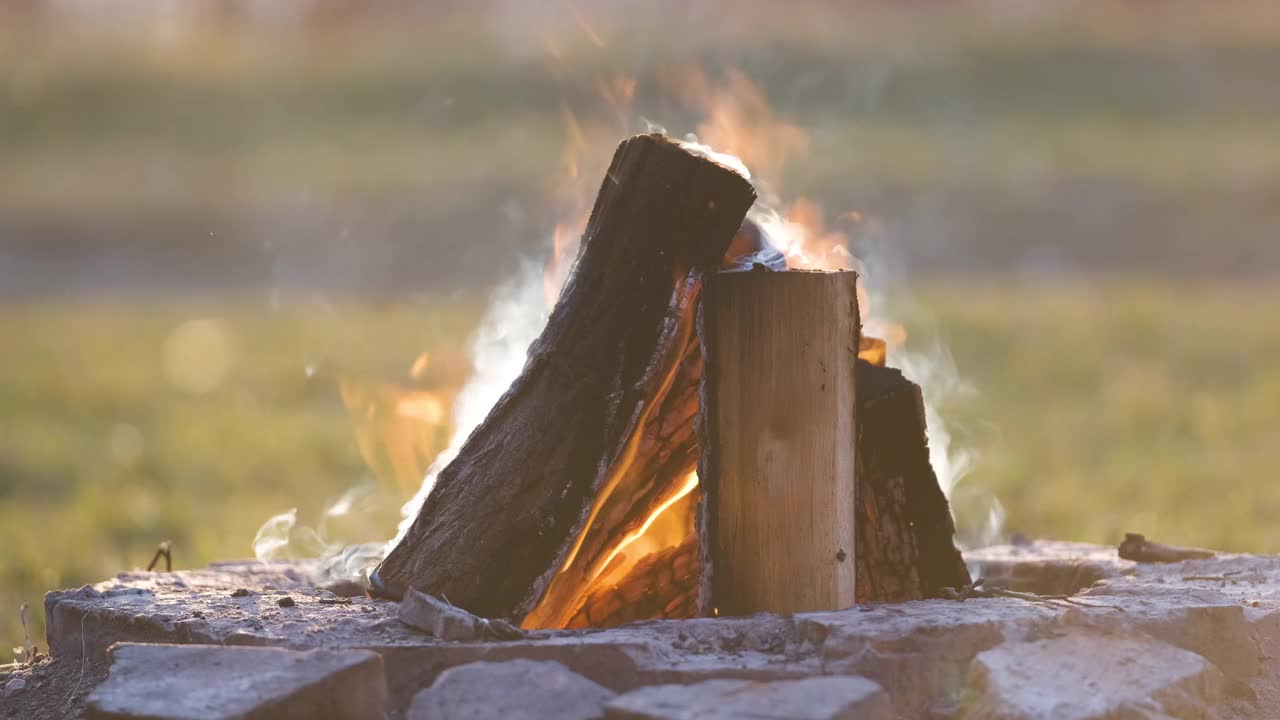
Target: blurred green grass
(1097, 408)
(1134, 396)
(104, 455)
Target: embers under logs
(573, 503)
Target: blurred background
(244, 245)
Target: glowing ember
(690, 482)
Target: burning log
(662, 585)
(596, 434)
(905, 531)
(778, 464)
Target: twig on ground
(28, 652)
(975, 589)
(84, 658)
(1138, 548)
(162, 550)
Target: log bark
(778, 463)
(905, 549)
(511, 511)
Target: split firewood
(563, 465)
(1138, 548)
(777, 464)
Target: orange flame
(690, 482)
(394, 424)
(397, 428)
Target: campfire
(699, 429)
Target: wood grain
(781, 351)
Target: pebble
(240, 592)
(286, 601)
(14, 686)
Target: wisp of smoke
(499, 347)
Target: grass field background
(1080, 204)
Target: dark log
(510, 512)
(905, 548)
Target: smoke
(925, 360)
(272, 539)
(516, 315)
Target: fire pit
(701, 438)
(745, 392)
(1196, 638)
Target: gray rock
(836, 697)
(1092, 676)
(433, 615)
(1047, 567)
(209, 682)
(515, 690)
(1226, 609)
(14, 686)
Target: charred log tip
(382, 589)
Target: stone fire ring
(1199, 638)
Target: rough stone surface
(837, 697)
(1225, 609)
(206, 682)
(433, 615)
(14, 686)
(1047, 567)
(1092, 676)
(514, 690)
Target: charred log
(512, 511)
(905, 548)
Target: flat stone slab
(838, 697)
(514, 690)
(1092, 676)
(1225, 609)
(1047, 567)
(209, 682)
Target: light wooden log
(778, 467)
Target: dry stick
(84, 658)
(162, 550)
(28, 652)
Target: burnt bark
(504, 516)
(905, 548)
